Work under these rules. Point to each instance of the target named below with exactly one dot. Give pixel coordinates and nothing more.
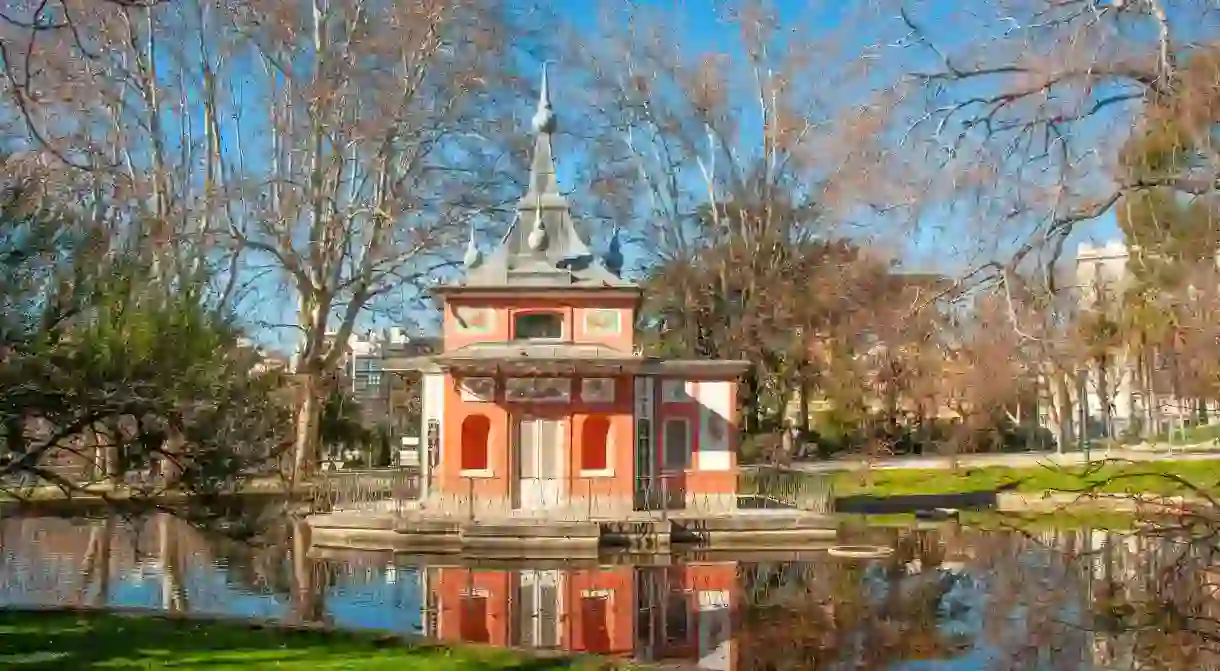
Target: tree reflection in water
(1064, 599)
(855, 614)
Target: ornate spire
(544, 117)
(543, 247)
(542, 168)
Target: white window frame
(563, 325)
(587, 383)
(676, 390)
(470, 395)
(462, 324)
(511, 383)
(598, 312)
(689, 450)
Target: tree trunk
(96, 565)
(309, 407)
(803, 420)
(307, 602)
(1103, 395)
(172, 454)
(98, 468)
(1153, 399)
(750, 403)
(1131, 373)
(1067, 428)
(173, 589)
(114, 462)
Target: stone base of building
(427, 532)
(711, 504)
(572, 508)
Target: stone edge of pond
(376, 636)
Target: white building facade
(1101, 278)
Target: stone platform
(539, 537)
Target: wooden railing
(381, 489)
(397, 490)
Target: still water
(946, 599)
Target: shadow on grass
(59, 640)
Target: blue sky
(705, 25)
(702, 26)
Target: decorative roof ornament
(537, 237)
(473, 256)
(614, 255)
(543, 247)
(544, 121)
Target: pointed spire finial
(542, 168)
(544, 118)
(472, 257)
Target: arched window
(538, 326)
(595, 444)
(475, 430)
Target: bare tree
(337, 150)
(1016, 113)
(384, 147)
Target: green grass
(45, 641)
(991, 520)
(1194, 435)
(1059, 519)
(1132, 478)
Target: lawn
(42, 641)
(1111, 477)
(990, 520)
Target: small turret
(614, 255)
(473, 257)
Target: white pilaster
(433, 411)
(712, 453)
(644, 456)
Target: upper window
(538, 326)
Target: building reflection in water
(653, 613)
(953, 595)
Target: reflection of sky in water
(388, 597)
(387, 600)
(394, 606)
(207, 591)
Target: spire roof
(542, 247)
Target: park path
(1200, 452)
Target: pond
(948, 598)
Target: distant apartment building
(384, 398)
(1101, 279)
